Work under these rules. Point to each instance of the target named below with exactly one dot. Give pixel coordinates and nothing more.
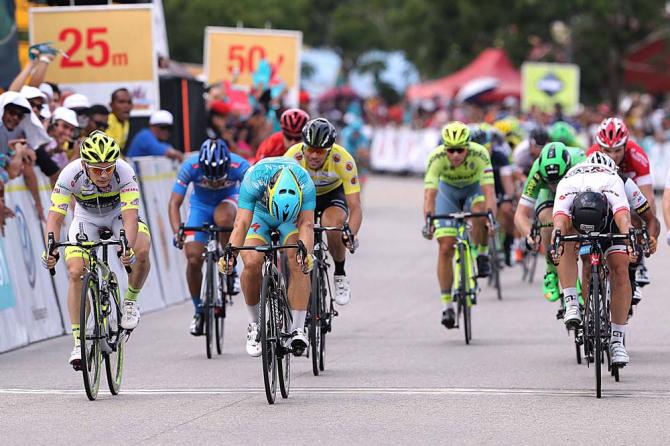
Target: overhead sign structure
(254, 57)
(546, 84)
(105, 48)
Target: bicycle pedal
(335, 313)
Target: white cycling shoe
(642, 276)
(253, 341)
(572, 317)
(342, 290)
(299, 341)
(618, 354)
(75, 357)
(131, 315)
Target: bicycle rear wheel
(315, 320)
(283, 316)
(220, 312)
(495, 265)
(268, 338)
(116, 339)
(326, 321)
(89, 334)
(594, 302)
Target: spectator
(54, 94)
(80, 105)
(61, 131)
(152, 141)
(98, 117)
(119, 118)
(35, 97)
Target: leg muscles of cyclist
(224, 215)
(479, 229)
(299, 286)
(617, 263)
(445, 269)
(194, 259)
(335, 216)
(140, 270)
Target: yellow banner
(546, 84)
(108, 44)
(234, 55)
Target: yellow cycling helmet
(99, 148)
(504, 126)
(455, 134)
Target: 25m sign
(110, 44)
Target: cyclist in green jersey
(563, 132)
(459, 177)
(537, 200)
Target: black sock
(339, 268)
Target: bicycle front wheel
(268, 338)
(315, 321)
(220, 312)
(495, 265)
(464, 268)
(115, 339)
(283, 323)
(89, 334)
(326, 311)
(594, 302)
(207, 293)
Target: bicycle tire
(115, 339)
(220, 314)
(208, 307)
(463, 291)
(532, 267)
(89, 321)
(315, 321)
(495, 266)
(326, 320)
(594, 300)
(283, 354)
(578, 347)
(268, 338)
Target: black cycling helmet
(319, 133)
(589, 212)
(539, 136)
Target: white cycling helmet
(602, 159)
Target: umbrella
(476, 87)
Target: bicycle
(101, 334)
(465, 279)
(596, 325)
(275, 316)
(529, 263)
(216, 290)
(494, 259)
(321, 309)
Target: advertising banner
(546, 84)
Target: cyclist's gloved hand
(50, 261)
(428, 231)
(531, 244)
(653, 244)
(351, 244)
(228, 260)
(177, 241)
(128, 258)
(307, 263)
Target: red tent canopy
(647, 65)
(492, 62)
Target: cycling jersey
(205, 192)
(476, 168)
(590, 177)
(535, 183)
(522, 157)
(501, 168)
(635, 163)
(271, 146)
(339, 168)
(122, 193)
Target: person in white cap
(153, 141)
(35, 97)
(61, 130)
(81, 105)
(53, 94)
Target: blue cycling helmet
(214, 158)
(284, 195)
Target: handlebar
(346, 231)
(631, 237)
(53, 245)
(229, 250)
(459, 216)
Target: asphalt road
(394, 375)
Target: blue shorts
(200, 215)
(454, 199)
(263, 223)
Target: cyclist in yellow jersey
(108, 197)
(458, 177)
(338, 199)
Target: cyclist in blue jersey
(216, 175)
(276, 194)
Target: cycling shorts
(334, 198)
(454, 199)
(545, 200)
(201, 215)
(91, 227)
(262, 223)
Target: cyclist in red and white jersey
(291, 121)
(614, 139)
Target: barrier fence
(33, 305)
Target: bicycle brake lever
(51, 241)
(124, 247)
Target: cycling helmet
(602, 159)
(562, 132)
(539, 136)
(479, 135)
(284, 195)
(319, 133)
(99, 148)
(612, 133)
(214, 159)
(292, 121)
(455, 134)
(589, 212)
(554, 162)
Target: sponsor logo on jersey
(354, 180)
(63, 206)
(234, 165)
(349, 165)
(255, 227)
(56, 190)
(298, 156)
(336, 157)
(135, 202)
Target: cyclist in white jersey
(108, 197)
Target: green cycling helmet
(455, 134)
(554, 162)
(562, 132)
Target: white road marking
(409, 391)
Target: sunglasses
(456, 150)
(100, 170)
(15, 112)
(318, 150)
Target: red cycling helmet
(612, 133)
(292, 121)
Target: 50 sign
(245, 60)
(99, 54)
